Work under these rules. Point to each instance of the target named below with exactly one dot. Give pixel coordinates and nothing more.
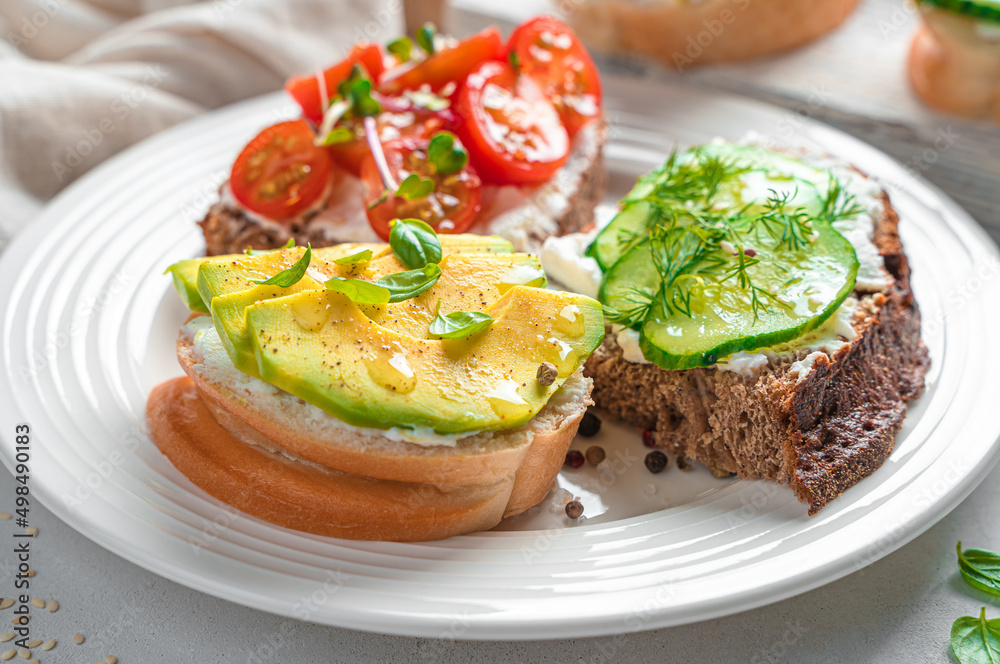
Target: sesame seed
(8, 654)
(78, 638)
(31, 530)
(34, 643)
(24, 653)
(110, 659)
(4, 638)
(4, 516)
(52, 606)
(49, 645)
(38, 603)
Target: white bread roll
(271, 455)
(682, 33)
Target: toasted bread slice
(817, 423)
(681, 34)
(348, 476)
(523, 215)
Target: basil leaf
(292, 275)
(976, 640)
(359, 291)
(406, 285)
(400, 48)
(981, 568)
(414, 187)
(357, 89)
(425, 38)
(414, 243)
(458, 324)
(445, 155)
(362, 256)
(362, 104)
(335, 136)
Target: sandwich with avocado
(407, 391)
(761, 316)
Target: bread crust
(308, 497)
(820, 435)
(952, 69)
(682, 34)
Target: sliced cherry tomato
(392, 125)
(450, 64)
(450, 208)
(305, 89)
(510, 126)
(281, 172)
(549, 52)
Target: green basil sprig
(414, 243)
(976, 640)
(362, 256)
(458, 324)
(445, 155)
(415, 187)
(354, 100)
(409, 284)
(400, 48)
(425, 38)
(358, 90)
(981, 568)
(292, 275)
(359, 291)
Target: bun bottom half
(235, 463)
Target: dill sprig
(699, 241)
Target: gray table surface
(897, 610)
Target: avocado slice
(185, 276)
(467, 284)
(368, 375)
(230, 286)
(185, 272)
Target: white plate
(89, 323)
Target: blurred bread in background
(954, 63)
(682, 33)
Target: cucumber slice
(624, 285)
(726, 248)
(810, 284)
(626, 230)
(984, 10)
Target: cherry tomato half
(549, 52)
(450, 208)
(281, 172)
(510, 126)
(449, 64)
(306, 89)
(392, 125)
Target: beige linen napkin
(83, 79)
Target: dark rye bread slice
(229, 230)
(820, 435)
